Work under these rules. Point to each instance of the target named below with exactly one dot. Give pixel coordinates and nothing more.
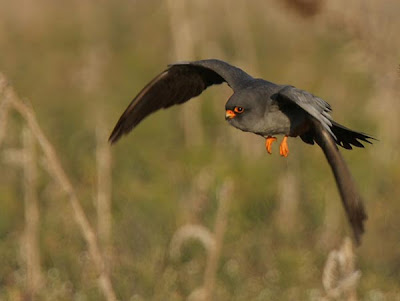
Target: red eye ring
(238, 110)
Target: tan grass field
(187, 207)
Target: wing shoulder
(313, 105)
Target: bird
(261, 107)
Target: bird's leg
(284, 148)
(268, 143)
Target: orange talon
(268, 143)
(284, 148)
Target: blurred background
(187, 207)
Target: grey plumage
(315, 106)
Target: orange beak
(229, 114)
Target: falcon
(260, 107)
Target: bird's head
(245, 111)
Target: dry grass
(26, 158)
(104, 193)
(4, 108)
(212, 242)
(79, 63)
(59, 174)
(339, 278)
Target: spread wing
(176, 85)
(320, 110)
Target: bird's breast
(275, 123)
(279, 123)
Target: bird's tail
(347, 138)
(351, 199)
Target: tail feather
(346, 137)
(351, 199)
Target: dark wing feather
(177, 84)
(315, 106)
(319, 109)
(326, 133)
(352, 201)
(346, 137)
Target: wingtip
(357, 236)
(111, 140)
(115, 135)
(358, 225)
(372, 138)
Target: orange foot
(284, 148)
(268, 143)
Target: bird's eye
(238, 110)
